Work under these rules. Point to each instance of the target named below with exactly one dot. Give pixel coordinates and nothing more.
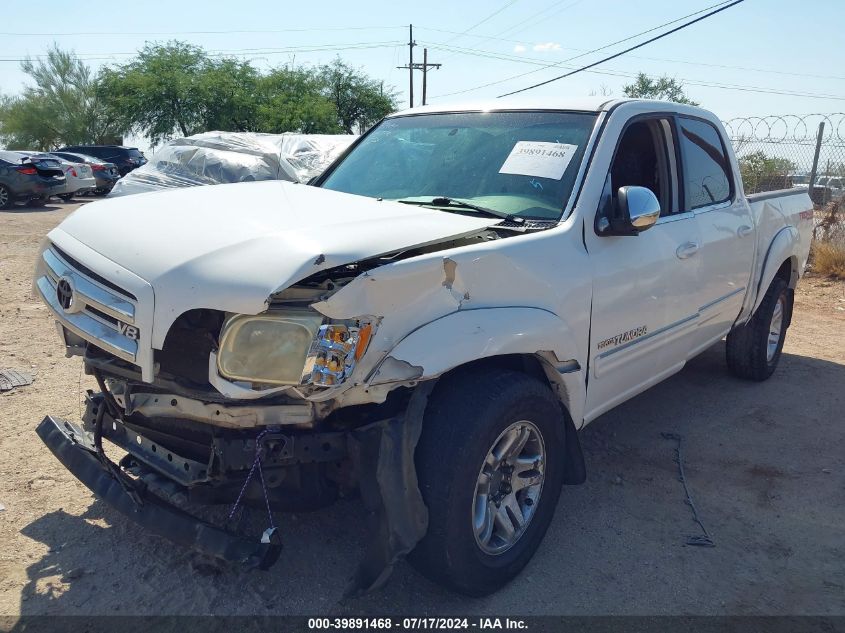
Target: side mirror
(640, 206)
(637, 209)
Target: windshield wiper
(454, 203)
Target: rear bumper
(37, 187)
(74, 448)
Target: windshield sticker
(538, 159)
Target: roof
(586, 104)
(589, 104)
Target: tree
(764, 173)
(61, 108)
(293, 100)
(664, 88)
(177, 88)
(359, 100)
(163, 90)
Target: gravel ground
(765, 464)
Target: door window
(642, 160)
(706, 169)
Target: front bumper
(75, 449)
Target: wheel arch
(538, 367)
(780, 261)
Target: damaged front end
(171, 465)
(285, 409)
(226, 422)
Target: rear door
(644, 286)
(724, 224)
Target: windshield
(515, 163)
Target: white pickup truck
(430, 322)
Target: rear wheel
(490, 467)
(754, 349)
(5, 197)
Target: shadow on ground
(47, 207)
(765, 464)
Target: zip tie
(256, 464)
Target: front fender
(467, 335)
(782, 247)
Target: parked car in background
(827, 189)
(126, 158)
(28, 180)
(105, 173)
(79, 177)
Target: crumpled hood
(230, 246)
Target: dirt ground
(765, 464)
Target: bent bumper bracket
(73, 447)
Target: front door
(644, 286)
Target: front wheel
(490, 463)
(754, 349)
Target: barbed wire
(787, 128)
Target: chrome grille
(97, 313)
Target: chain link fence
(783, 151)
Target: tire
(6, 199)
(748, 353)
(465, 418)
(66, 196)
(40, 201)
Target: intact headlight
(291, 347)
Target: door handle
(687, 249)
(744, 231)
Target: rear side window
(706, 170)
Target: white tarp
(221, 157)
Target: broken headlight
(270, 348)
(290, 347)
(337, 348)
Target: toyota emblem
(65, 294)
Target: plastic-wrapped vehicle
(227, 157)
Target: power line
(560, 63)
(238, 52)
(469, 51)
(486, 19)
(619, 73)
(545, 16)
(627, 50)
(226, 32)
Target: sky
(758, 58)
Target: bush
(828, 251)
(829, 259)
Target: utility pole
(411, 44)
(411, 67)
(425, 67)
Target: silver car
(79, 176)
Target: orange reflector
(363, 340)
